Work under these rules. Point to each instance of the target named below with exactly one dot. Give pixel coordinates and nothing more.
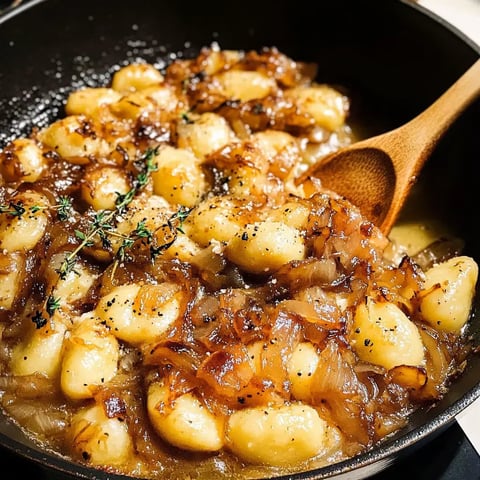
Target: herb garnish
(13, 209)
(102, 226)
(104, 221)
(18, 209)
(51, 305)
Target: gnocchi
(301, 369)
(382, 334)
(245, 85)
(326, 105)
(144, 102)
(40, 351)
(179, 177)
(215, 219)
(90, 359)
(11, 268)
(265, 246)
(187, 424)
(74, 286)
(170, 291)
(137, 313)
(205, 134)
(286, 435)
(25, 222)
(90, 101)
(74, 138)
(102, 186)
(100, 438)
(450, 288)
(136, 76)
(23, 160)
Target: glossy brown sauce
(227, 272)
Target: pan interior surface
(389, 56)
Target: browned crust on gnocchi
(171, 300)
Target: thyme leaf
(14, 209)
(181, 215)
(104, 221)
(64, 208)
(50, 306)
(18, 209)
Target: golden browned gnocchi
(24, 223)
(74, 138)
(136, 76)
(101, 187)
(90, 358)
(40, 351)
(449, 290)
(11, 267)
(90, 101)
(169, 290)
(101, 438)
(326, 105)
(74, 286)
(245, 85)
(143, 102)
(23, 160)
(262, 247)
(205, 134)
(383, 335)
(217, 218)
(187, 423)
(179, 177)
(286, 435)
(140, 313)
(301, 368)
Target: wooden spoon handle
(410, 145)
(423, 132)
(377, 173)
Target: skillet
(393, 58)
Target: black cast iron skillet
(392, 57)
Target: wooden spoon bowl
(378, 173)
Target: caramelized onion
(254, 316)
(438, 364)
(39, 417)
(324, 315)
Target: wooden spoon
(377, 174)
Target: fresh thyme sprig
(186, 118)
(146, 165)
(14, 209)
(174, 225)
(103, 222)
(181, 215)
(64, 208)
(141, 232)
(103, 227)
(18, 209)
(50, 306)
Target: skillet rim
(361, 466)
